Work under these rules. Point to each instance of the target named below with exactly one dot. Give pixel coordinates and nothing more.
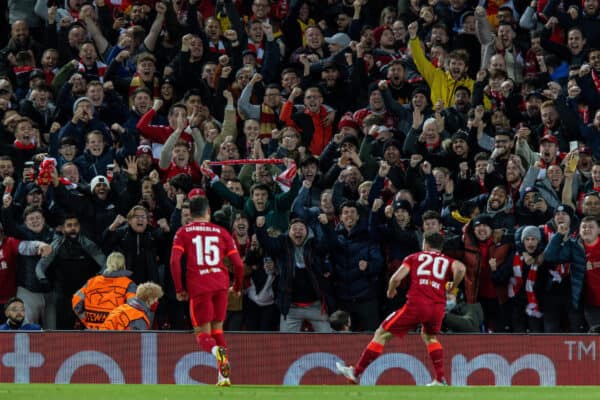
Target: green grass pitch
(243, 392)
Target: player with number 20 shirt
(429, 270)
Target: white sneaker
(222, 381)
(348, 372)
(435, 382)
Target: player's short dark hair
(339, 320)
(434, 240)
(199, 206)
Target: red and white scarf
(218, 48)
(516, 282)
(100, 66)
(258, 49)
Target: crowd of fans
(384, 120)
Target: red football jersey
(429, 272)
(205, 246)
(9, 250)
(592, 273)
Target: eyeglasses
(16, 309)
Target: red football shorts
(406, 319)
(208, 307)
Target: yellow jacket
(441, 82)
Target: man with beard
(442, 83)
(334, 86)
(404, 113)
(503, 145)
(557, 120)
(532, 208)
(458, 151)
(400, 87)
(455, 116)
(14, 311)
(488, 258)
(20, 40)
(313, 123)
(498, 207)
(74, 260)
(589, 80)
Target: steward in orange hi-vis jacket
(103, 293)
(137, 313)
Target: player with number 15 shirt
(205, 246)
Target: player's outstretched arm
(396, 279)
(458, 273)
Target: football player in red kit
(426, 299)
(205, 247)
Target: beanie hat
(79, 100)
(403, 204)
(352, 140)
(377, 32)
(98, 180)
(531, 231)
(347, 121)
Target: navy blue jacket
(347, 249)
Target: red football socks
(436, 353)
(206, 342)
(370, 354)
(219, 338)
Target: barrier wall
(292, 359)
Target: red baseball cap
(549, 138)
(196, 192)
